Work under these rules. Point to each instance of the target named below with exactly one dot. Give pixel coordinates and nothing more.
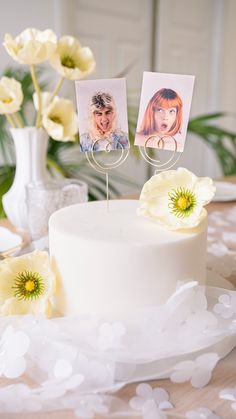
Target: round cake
(116, 261)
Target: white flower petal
(144, 390)
(165, 405)
(207, 361)
(233, 405)
(228, 394)
(60, 120)
(181, 376)
(136, 403)
(11, 95)
(71, 60)
(17, 344)
(62, 368)
(160, 395)
(31, 46)
(14, 367)
(200, 378)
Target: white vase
(31, 152)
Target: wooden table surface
(183, 396)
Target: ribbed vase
(31, 151)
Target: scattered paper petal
(198, 371)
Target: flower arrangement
(72, 61)
(175, 198)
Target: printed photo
(164, 111)
(102, 114)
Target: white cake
(118, 261)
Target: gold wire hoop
(156, 162)
(104, 168)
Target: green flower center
(182, 202)
(68, 62)
(28, 285)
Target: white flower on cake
(11, 95)
(60, 120)
(26, 284)
(72, 61)
(175, 198)
(31, 46)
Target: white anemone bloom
(45, 99)
(71, 60)
(31, 46)
(175, 198)
(26, 284)
(11, 95)
(60, 120)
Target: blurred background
(174, 36)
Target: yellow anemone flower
(11, 95)
(31, 46)
(71, 60)
(60, 120)
(26, 284)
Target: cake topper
(103, 122)
(163, 116)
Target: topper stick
(105, 167)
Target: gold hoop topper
(160, 144)
(105, 167)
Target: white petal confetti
(198, 371)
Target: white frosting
(118, 261)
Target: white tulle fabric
(79, 363)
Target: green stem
(38, 91)
(54, 165)
(18, 120)
(10, 120)
(57, 88)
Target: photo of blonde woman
(102, 111)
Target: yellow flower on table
(11, 95)
(60, 120)
(72, 61)
(175, 198)
(26, 284)
(31, 46)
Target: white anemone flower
(60, 120)
(11, 95)
(175, 198)
(31, 46)
(26, 284)
(71, 60)
(45, 100)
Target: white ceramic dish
(8, 240)
(225, 191)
